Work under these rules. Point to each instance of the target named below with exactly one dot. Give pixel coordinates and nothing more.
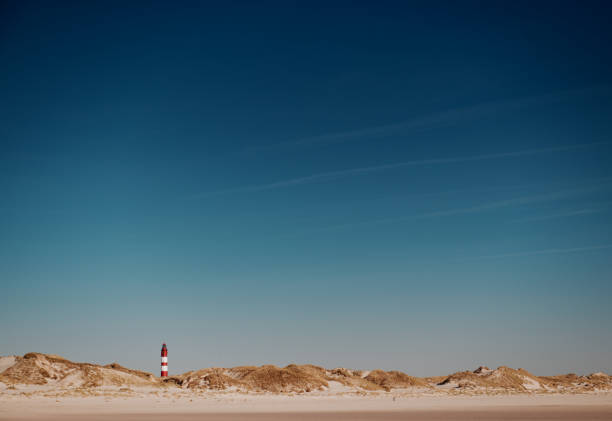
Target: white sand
(6, 362)
(171, 402)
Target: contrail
(332, 175)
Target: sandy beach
(235, 406)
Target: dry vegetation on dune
(268, 378)
(394, 379)
(592, 382)
(52, 372)
(501, 378)
(509, 379)
(42, 369)
(294, 378)
(352, 378)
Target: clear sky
(414, 186)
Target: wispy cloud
(488, 206)
(440, 119)
(518, 201)
(568, 214)
(333, 175)
(536, 253)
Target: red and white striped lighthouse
(164, 361)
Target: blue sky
(401, 185)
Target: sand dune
(53, 370)
(38, 386)
(42, 372)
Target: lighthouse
(164, 361)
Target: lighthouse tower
(164, 361)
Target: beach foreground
(235, 406)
